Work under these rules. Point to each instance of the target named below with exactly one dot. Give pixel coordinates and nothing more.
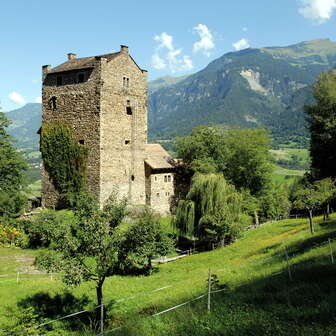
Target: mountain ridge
(254, 87)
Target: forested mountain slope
(250, 88)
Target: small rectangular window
(81, 142)
(129, 110)
(81, 78)
(59, 80)
(165, 178)
(157, 195)
(169, 178)
(155, 178)
(127, 142)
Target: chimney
(45, 70)
(71, 56)
(124, 49)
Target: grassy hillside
(258, 301)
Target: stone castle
(104, 99)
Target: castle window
(169, 178)
(81, 142)
(157, 195)
(155, 178)
(129, 110)
(81, 78)
(53, 103)
(125, 82)
(59, 80)
(127, 142)
(165, 178)
(132, 178)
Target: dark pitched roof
(81, 63)
(157, 157)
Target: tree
(212, 211)
(242, 155)
(274, 202)
(327, 188)
(310, 196)
(203, 149)
(87, 246)
(144, 240)
(12, 178)
(321, 117)
(248, 162)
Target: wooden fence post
(331, 251)
(209, 291)
(288, 265)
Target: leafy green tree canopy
(12, 178)
(144, 240)
(242, 155)
(87, 245)
(311, 196)
(322, 124)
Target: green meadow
(259, 298)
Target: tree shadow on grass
(309, 243)
(49, 307)
(308, 299)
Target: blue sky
(165, 37)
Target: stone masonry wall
(77, 105)
(123, 136)
(162, 191)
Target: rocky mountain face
(264, 87)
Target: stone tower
(104, 99)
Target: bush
(11, 236)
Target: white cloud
(317, 10)
(16, 98)
(157, 62)
(206, 43)
(166, 41)
(38, 100)
(166, 55)
(188, 64)
(241, 44)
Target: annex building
(104, 100)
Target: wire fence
(287, 268)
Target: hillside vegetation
(258, 300)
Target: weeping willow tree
(212, 210)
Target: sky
(175, 37)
